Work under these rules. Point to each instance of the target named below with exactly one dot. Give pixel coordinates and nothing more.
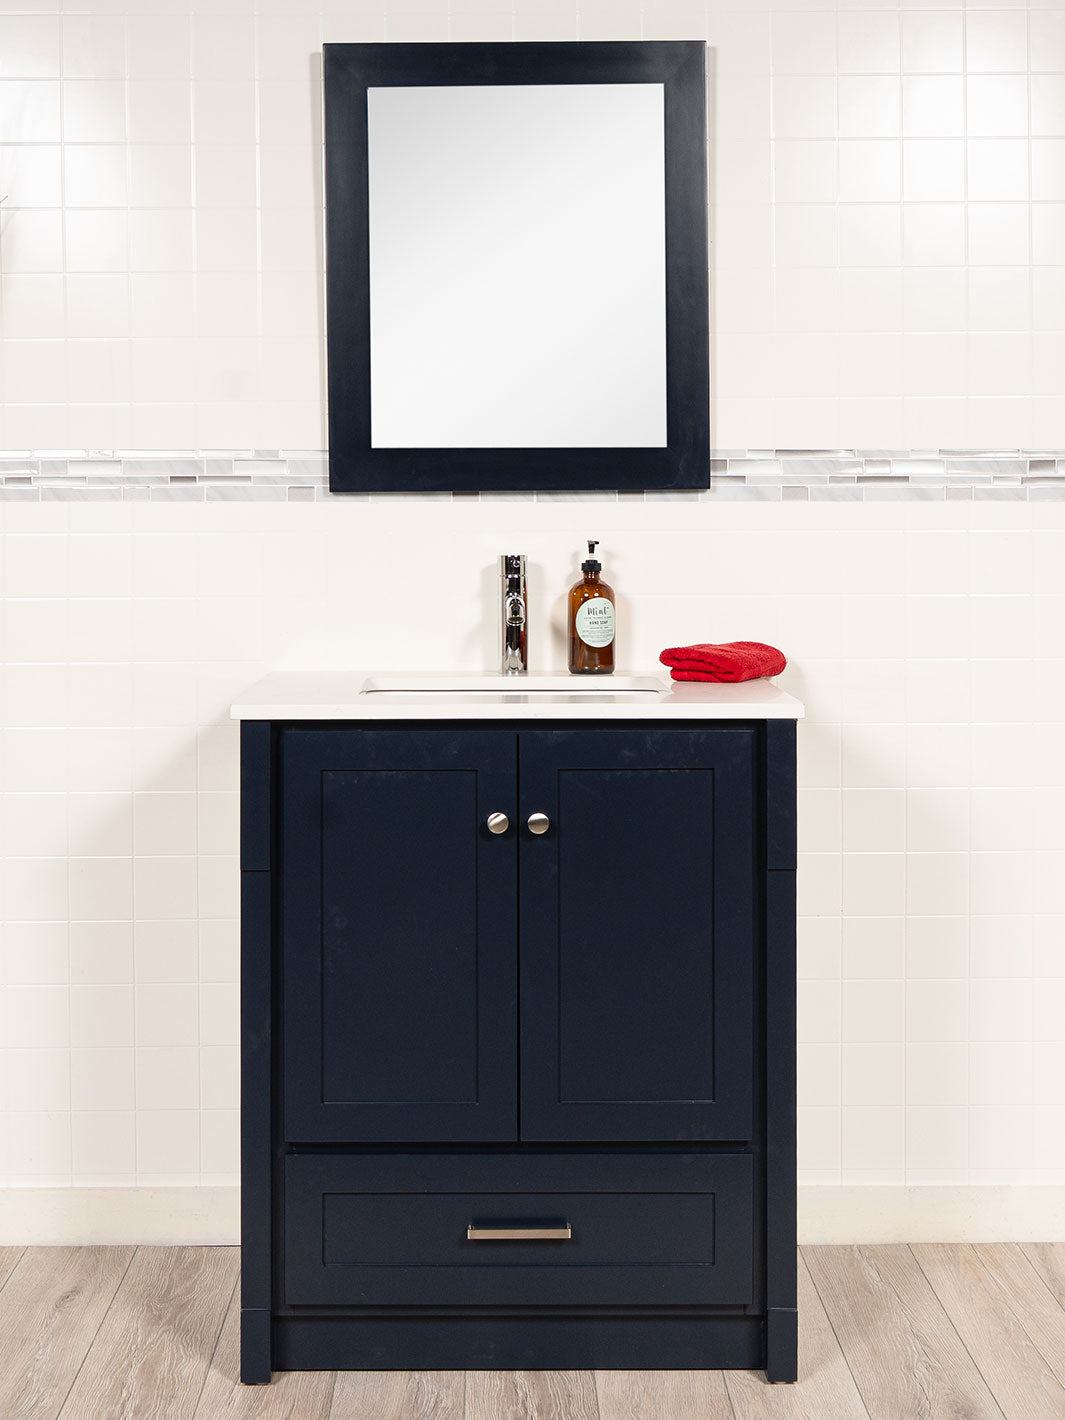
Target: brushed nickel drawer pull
(559, 1234)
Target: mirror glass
(517, 266)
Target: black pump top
(591, 565)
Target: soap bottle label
(595, 621)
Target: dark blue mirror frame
(354, 465)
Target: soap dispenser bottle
(591, 621)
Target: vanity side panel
(780, 804)
(256, 793)
(781, 1191)
(256, 951)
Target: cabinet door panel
(637, 935)
(399, 935)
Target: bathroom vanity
(518, 1024)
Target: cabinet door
(399, 940)
(637, 934)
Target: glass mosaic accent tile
(752, 475)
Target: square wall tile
(30, 45)
(159, 111)
(101, 1078)
(937, 947)
(158, 45)
(38, 1147)
(873, 1137)
(168, 1145)
(936, 1137)
(101, 953)
(868, 107)
(997, 169)
(868, 42)
(803, 43)
(996, 41)
(103, 1146)
(874, 820)
(166, 952)
(873, 1011)
(1001, 1073)
(1000, 1139)
(874, 947)
(869, 170)
(874, 884)
(94, 46)
(167, 1015)
(932, 41)
(167, 1077)
(996, 106)
(933, 107)
(101, 1016)
(38, 1079)
(937, 1074)
(933, 169)
(937, 1010)
(873, 1074)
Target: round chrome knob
(539, 823)
(498, 823)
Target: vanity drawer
(615, 1230)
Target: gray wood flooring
(931, 1332)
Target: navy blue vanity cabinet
(520, 1098)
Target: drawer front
(615, 1230)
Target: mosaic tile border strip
(737, 475)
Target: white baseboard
(888, 1214)
(851, 1214)
(76, 1217)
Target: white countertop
(360, 695)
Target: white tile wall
(889, 271)
(888, 187)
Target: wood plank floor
(930, 1332)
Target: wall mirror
(516, 266)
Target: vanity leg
(254, 1347)
(782, 1344)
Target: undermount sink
(513, 685)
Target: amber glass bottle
(591, 621)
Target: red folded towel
(732, 660)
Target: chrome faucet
(514, 607)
